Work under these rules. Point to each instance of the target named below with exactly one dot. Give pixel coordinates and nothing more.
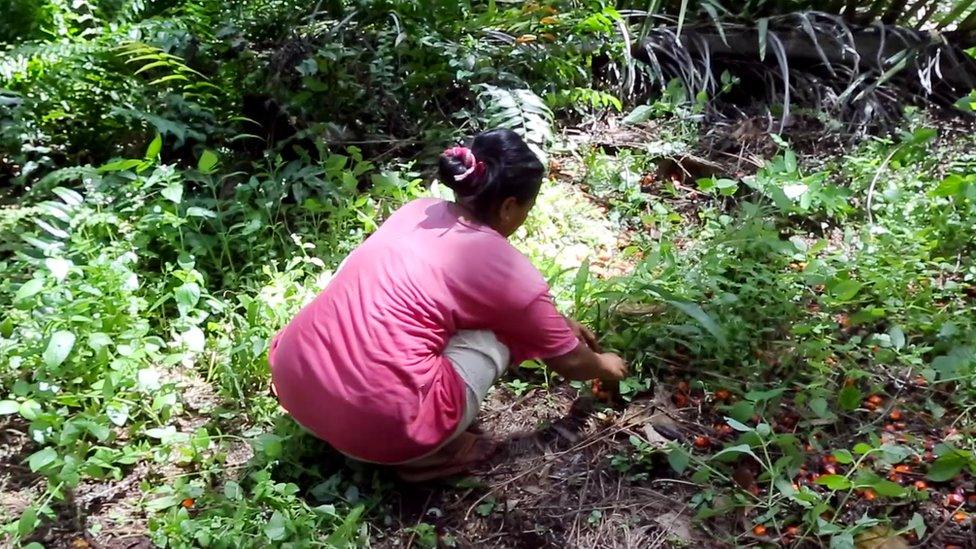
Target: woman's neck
(467, 215)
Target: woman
(390, 362)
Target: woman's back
(366, 354)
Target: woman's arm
(582, 364)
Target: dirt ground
(553, 483)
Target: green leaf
(897, 337)
(29, 289)
(42, 458)
(173, 193)
(59, 267)
(195, 211)
(763, 396)
(30, 409)
(118, 413)
(740, 449)
(763, 25)
(946, 467)
(785, 487)
(98, 430)
(917, 523)
(888, 488)
(268, 444)
(120, 165)
(844, 457)
(681, 15)
(187, 296)
(842, 541)
(742, 410)
(8, 407)
(894, 453)
(849, 398)
(861, 448)
(153, 150)
(28, 521)
(834, 482)
(641, 113)
(485, 509)
(169, 78)
(789, 161)
(345, 534)
(164, 502)
(208, 161)
(695, 311)
(701, 476)
(232, 490)
(845, 290)
(58, 348)
(738, 426)
(678, 458)
(819, 406)
(277, 527)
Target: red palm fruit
(954, 500)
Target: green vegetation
(180, 177)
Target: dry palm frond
(860, 74)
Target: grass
(808, 327)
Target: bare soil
(553, 483)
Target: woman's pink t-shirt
(362, 367)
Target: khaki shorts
(479, 360)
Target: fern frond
(520, 110)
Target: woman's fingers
(590, 338)
(614, 367)
(584, 335)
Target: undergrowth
(182, 177)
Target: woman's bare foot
(457, 456)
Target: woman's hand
(612, 367)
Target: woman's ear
(509, 210)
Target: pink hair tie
(470, 162)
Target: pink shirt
(361, 366)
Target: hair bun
(460, 170)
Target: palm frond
(955, 14)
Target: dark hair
(504, 167)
